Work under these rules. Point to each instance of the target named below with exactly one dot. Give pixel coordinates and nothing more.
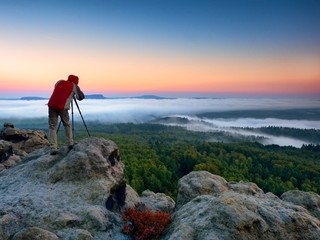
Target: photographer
(59, 105)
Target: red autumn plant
(145, 225)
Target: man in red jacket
(59, 104)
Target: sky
(162, 47)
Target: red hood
(74, 79)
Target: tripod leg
(84, 123)
(72, 120)
(59, 126)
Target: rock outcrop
(64, 196)
(16, 144)
(80, 194)
(308, 200)
(224, 210)
(195, 184)
(157, 201)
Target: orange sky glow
(143, 52)
(38, 69)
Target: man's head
(74, 79)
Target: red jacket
(63, 93)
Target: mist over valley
(281, 121)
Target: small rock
(35, 233)
(245, 187)
(8, 125)
(158, 201)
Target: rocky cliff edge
(64, 194)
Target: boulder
(199, 183)
(308, 200)
(7, 157)
(21, 142)
(8, 125)
(5, 150)
(157, 201)
(64, 195)
(245, 188)
(132, 198)
(237, 211)
(35, 233)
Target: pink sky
(143, 51)
(35, 70)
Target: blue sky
(248, 23)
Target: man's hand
(80, 94)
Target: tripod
(84, 123)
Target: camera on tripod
(72, 121)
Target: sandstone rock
(242, 212)
(35, 233)
(7, 157)
(237, 216)
(88, 161)
(245, 187)
(28, 140)
(14, 134)
(132, 198)
(308, 200)
(21, 142)
(199, 183)
(63, 194)
(8, 125)
(5, 146)
(79, 195)
(9, 162)
(5, 150)
(157, 201)
(75, 234)
(9, 223)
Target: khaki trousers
(53, 122)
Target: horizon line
(175, 95)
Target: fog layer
(144, 110)
(141, 110)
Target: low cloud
(143, 110)
(233, 127)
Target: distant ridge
(90, 96)
(95, 96)
(33, 98)
(150, 97)
(99, 96)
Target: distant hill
(95, 96)
(100, 96)
(150, 97)
(92, 96)
(33, 98)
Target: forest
(157, 156)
